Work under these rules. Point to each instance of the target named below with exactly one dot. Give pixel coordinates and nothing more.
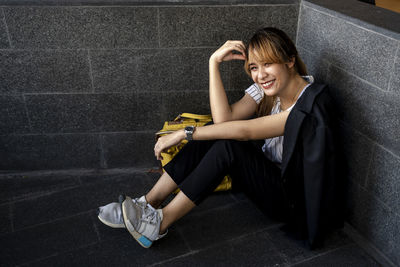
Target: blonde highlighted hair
(271, 45)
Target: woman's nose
(262, 73)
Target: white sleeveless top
(273, 147)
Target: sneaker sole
(141, 239)
(112, 225)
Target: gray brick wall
(87, 86)
(360, 63)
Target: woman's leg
(187, 159)
(251, 172)
(161, 190)
(177, 208)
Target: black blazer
(312, 167)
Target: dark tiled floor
(49, 219)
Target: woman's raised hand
(226, 52)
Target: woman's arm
(255, 129)
(220, 109)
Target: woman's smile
(268, 84)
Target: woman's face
(273, 78)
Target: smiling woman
(296, 176)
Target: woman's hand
(225, 52)
(166, 141)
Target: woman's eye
(267, 64)
(253, 68)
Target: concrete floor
(49, 219)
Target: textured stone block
(316, 66)
(119, 242)
(115, 112)
(46, 240)
(175, 103)
(4, 43)
(251, 250)
(65, 203)
(374, 221)
(358, 152)
(40, 152)
(107, 191)
(351, 255)
(205, 228)
(82, 27)
(371, 111)
(361, 13)
(61, 113)
(383, 178)
(13, 117)
(347, 46)
(18, 187)
(395, 80)
(5, 219)
(129, 149)
(239, 80)
(294, 251)
(48, 208)
(24, 71)
(150, 70)
(212, 26)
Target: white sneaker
(143, 223)
(111, 214)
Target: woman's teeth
(267, 84)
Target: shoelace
(149, 214)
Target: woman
(294, 176)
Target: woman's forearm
(220, 108)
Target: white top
(273, 147)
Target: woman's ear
(290, 64)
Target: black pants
(201, 165)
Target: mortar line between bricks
(150, 131)
(58, 253)
(174, 258)
(371, 156)
(93, 172)
(96, 229)
(90, 70)
(393, 67)
(158, 28)
(349, 73)
(33, 49)
(18, 200)
(116, 93)
(184, 239)
(217, 244)
(378, 200)
(372, 141)
(7, 31)
(103, 160)
(87, 212)
(298, 22)
(11, 210)
(322, 254)
(27, 113)
(115, 5)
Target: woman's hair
(272, 45)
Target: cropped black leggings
(201, 165)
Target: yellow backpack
(180, 122)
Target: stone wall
(361, 63)
(87, 86)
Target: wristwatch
(189, 132)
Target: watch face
(189, 128)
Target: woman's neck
(291, 94)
